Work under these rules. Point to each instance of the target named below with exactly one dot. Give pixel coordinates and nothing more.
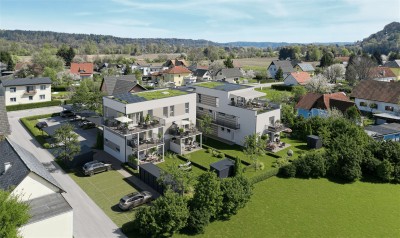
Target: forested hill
(383, 41)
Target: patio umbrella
(185, 122)
(123, 119)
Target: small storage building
(150, 173)
(314, 142)
(224, 168)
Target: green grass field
(314, 208)
(272, 94)
(106, 189)
(170, 161)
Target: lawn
(105, 189)
(171, 161)
(314, 208)
(158, 94)
(61, 95)
(203, 158)
(273, 94)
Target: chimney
(7, 166)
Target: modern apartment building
(26, 90)
(236, 110)
(140, 127)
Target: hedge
(281, 87)
(30, 123)
(59, 88)
(227, 155)
(33, 105)
(264, 175)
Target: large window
(199, 98)
(389, 108)
(30, 98)
(42, 97)
(13, 90)
(42, 87)
(187, 107)
(29, 88)
(172, 111)
(13, 99)
(165, 111)
(363, 104)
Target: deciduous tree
(67, 53)
(13, 214)
(318, 84)
(68, 141)
(279, 74)
(254, 147)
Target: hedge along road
(89, 219)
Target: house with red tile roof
(176, 75)
(297, 78)
(84, 70)
(317, 104)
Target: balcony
(258, 105)
(228, 124)
(144, 144)
(30, 92)
(126, 128)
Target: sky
(295, 21)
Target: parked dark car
(134, 199)
(95, 167)
(41, 124)
(87, 125)
(67, 113)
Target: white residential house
(231, 75)
(140, 127)
(297, 78)
(379, 98)
(285, 65)
(26, 90)
(236, 110)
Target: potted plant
(181, 130)
(147, 120)
(125, 127)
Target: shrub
(60, 88)
(288, 171)
(396, 173)
(236, 193)
(33, 105)
(198, 220)
(221, 155)
(281, 87)
(46, 145)
(385, 171)
(209, 150)
(264, 175)
(311, 164)
(280, 162)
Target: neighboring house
(112, 85)
(297, 78)
(176, 75)
(378, 97)
(175, 62)
(285, 65)
(27, 178)
(236, 110)
(84, 70)
(317, 104)
(142, 126)
(193, 67)
(230, 75)
(394, 67)
(305, 67)
(202, 75)
(383, 74)
(344, 60)
(27, 90)
(389, 131)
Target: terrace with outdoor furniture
(124, 125)
(255, 104)
(275, 144)
(186, 138)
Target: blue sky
(302, 21)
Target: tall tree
(279, 74)
(334, 72)
(68, 140)
(87, 97)
(377, 57)
(13, 214)
(44, 59)
(229, 63)
(326, 60)
(67, 53)
(183, 181)
(254, 147)
(6, 58)
(236, 193)
(318, 84)
(205, 125)
(359, 68)
(128, 69)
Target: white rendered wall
(60, 226)
(24, 98)
(34, 186)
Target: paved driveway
(89, 220)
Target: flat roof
(222, 86)
(222, 164)
(387, 115)
(148, 95)
(384, 129)
(151, 169)
(249, 94)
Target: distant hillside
(277, 44)
(383, 41)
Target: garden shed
(314, 142)
(224, 168)
(150, 173)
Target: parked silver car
(94, 167)
(134, 199)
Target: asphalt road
(89, 220)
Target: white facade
(365, 105)
(27, 94)
(60, 226)
(34, 186)
(290, 81)
(231, 122)
(166, 112)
